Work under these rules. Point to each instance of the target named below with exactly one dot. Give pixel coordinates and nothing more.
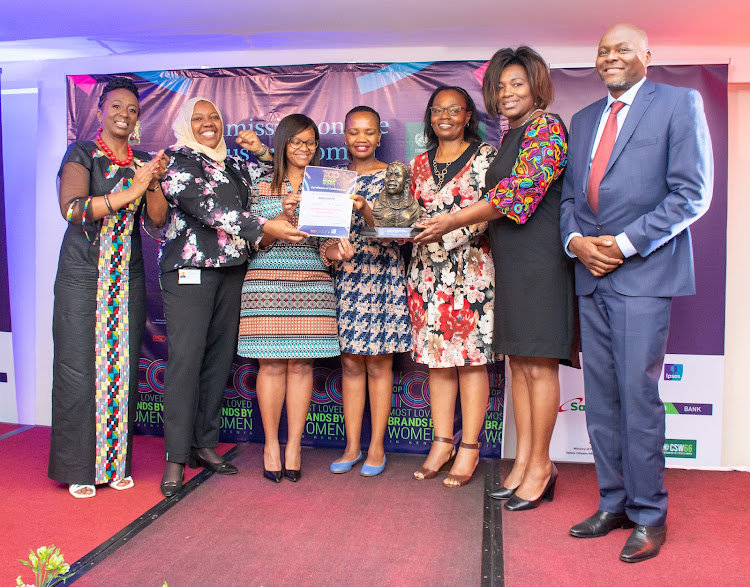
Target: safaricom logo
(573, 405)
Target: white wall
(49, 78)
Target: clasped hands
(599, 254)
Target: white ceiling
(41, 29)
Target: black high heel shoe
(503, 493)
(171, 482)
(517, 504)
(222, 468)
(293, 475)
(274, 476)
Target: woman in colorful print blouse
(534, 311)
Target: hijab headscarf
(183, 132)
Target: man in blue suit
(640, 171)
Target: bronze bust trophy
(395, 208)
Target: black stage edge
(101, 552)
(493, 570)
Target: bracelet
(109, 206)
(262, 153)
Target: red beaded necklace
(108, 152)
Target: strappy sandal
(120, 486)
(453, 480)
(431, 473)
(74, 488)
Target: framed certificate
(325, 208)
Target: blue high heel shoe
(346, 466)
(370, 470)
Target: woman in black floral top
(202, 264)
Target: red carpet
(37, 511)
(5, 428)
(325, 530)
(707, 539)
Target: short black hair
(288, 127)
(471, 133)
(367, 109)
(115, 84)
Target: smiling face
(118, 113)
(515, 100)
(449, 127)
(395, 178)
(206, 124)
(362, 134)
(622, 58)
(300, 157)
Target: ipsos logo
(672, 372)
(573, 405)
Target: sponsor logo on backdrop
(573, 405)
(680, 449)
(673, 372)
(691, 409)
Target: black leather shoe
(600, 524)
(644, 543)
(274, 476)
(518, 504)
(293, 475)
(222, 468)
(503, 493)
(171, 482)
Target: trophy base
(390, 232)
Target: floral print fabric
(209, 224)
(451, 284)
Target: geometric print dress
(373, 316)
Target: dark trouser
(624, 340)
(202, 325)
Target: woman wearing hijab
(202, 263)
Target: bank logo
(680, 449)
(672, 372)
(573, 405)
(693, 409)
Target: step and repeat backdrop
(257, 98)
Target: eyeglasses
(453, 110)
(297, 144)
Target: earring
(99, 129)
(378, 143)
(466, 125)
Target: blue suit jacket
(658, 181)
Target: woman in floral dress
(202, 264)
(451, 282)
(373, 318)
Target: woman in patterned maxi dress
(100, 306)
(288, 312)
(373, 317)
(451, 282)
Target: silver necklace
(531, 114)
(440, 174)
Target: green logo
(680, 449)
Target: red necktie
(602, 155)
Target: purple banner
(258, 98)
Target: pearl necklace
(110, 155)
